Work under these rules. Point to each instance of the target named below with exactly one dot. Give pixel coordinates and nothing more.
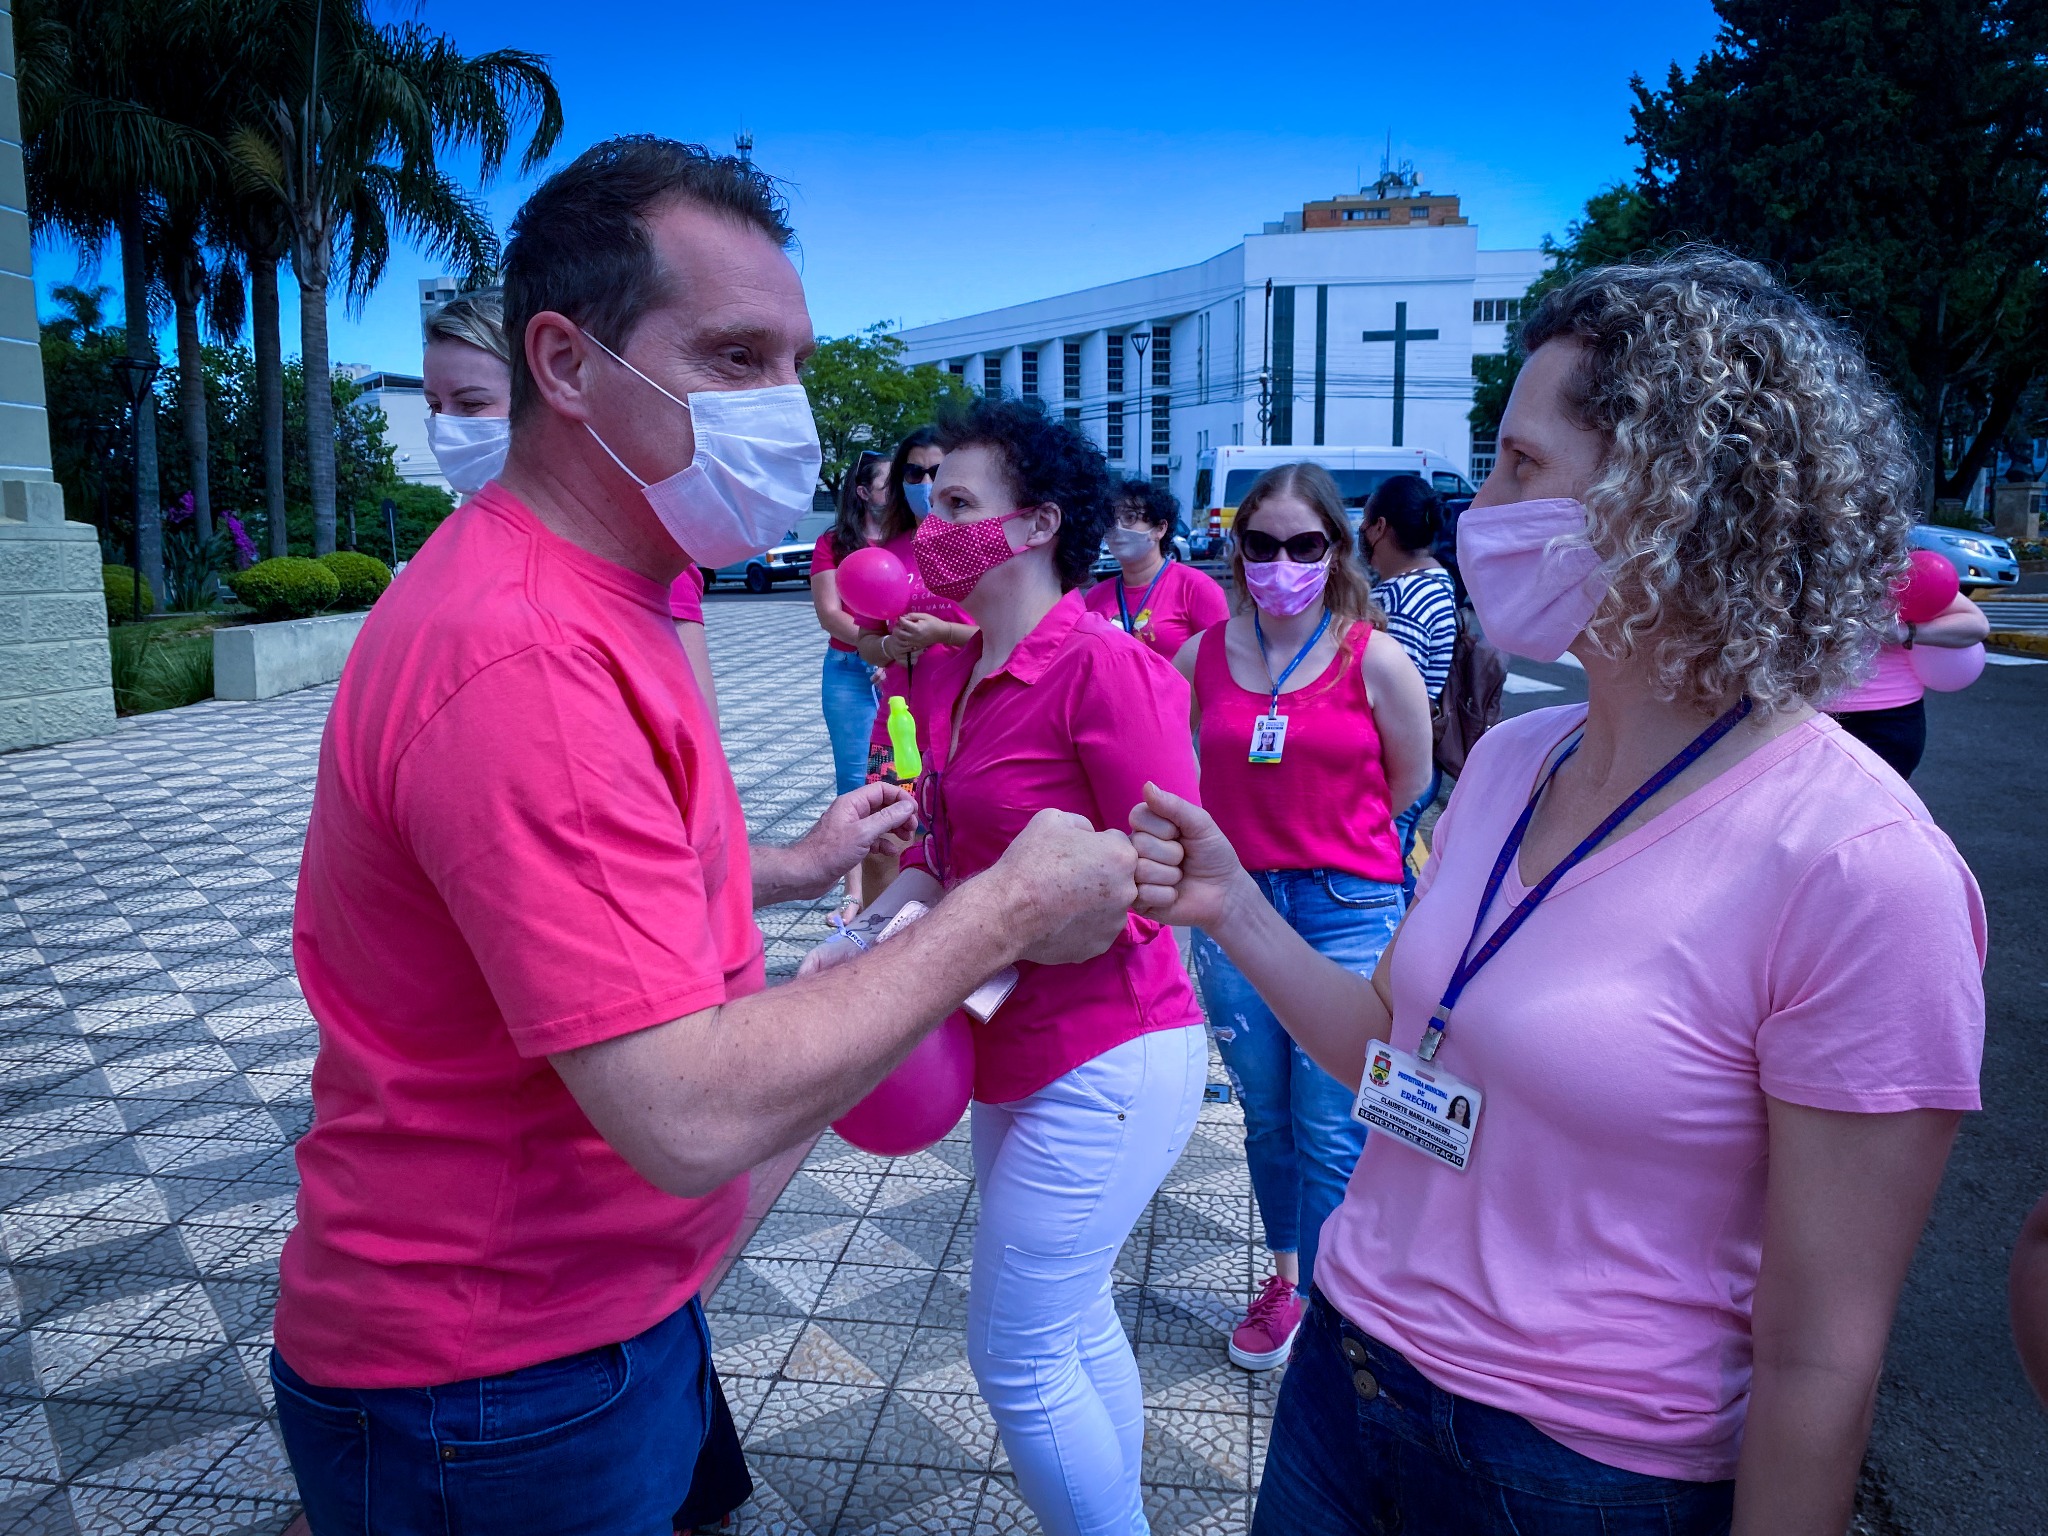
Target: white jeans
(1064, 1175)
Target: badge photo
(1269, 738)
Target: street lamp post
(135, 375)
(1140, 342)
(99, 446)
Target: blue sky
(944, 161)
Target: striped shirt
(1422, 613)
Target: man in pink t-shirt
(524, 921)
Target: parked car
(1981, 559)
(790, 561)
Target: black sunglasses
(914, 474)
(1264, 549)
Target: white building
(402, 397)
(1353, 321)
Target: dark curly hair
(1152, 502)
(1044, 463)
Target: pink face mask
(1284, 587)
(953, 557)
(1533, 600)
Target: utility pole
(1141, 339)
(1266, 368)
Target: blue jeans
(606, 1443)
(1362, 1444)
(1299, 1136)
(1404, 829)
(849, 717)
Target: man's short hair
(579, 246)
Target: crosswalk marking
(1516, 683)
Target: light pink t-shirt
(524, 839)
(1892, 682)
(1797, 927)
(1183, 603)
(1077, 719)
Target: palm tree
(347, 147)
(101, 158)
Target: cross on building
(1400, 336)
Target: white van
(1223, 475)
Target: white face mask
(469, 449)
(1130, 544)
(756, 467)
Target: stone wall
(55, 675)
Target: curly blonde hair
(1756, 497)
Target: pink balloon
(1929, 587)
(874, 586)
(1944, 669)
(924, 1098)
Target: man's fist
(1067, 887)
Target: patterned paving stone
(155, 1054)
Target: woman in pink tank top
(1314, 728)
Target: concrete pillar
(55, 676)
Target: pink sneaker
(1267, 1333)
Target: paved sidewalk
(154, 1061)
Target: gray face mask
(1131, 544)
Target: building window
(1484, 452)
(1116, 367)
(1237, 434)
(1377, 213)
(1030, 371)
(1070, 369)
(1162, 427)
(1201, 442)
(1162, 357)
(1162, 476)
(1419, 211)
(1353, 215)
(958, 370)
(992, 377)
(1072, 416)
(1114, 448)
(1496, 311)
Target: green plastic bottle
(903, 740)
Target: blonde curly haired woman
(1665, 1063)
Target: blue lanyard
(1471, 964)
(1125, 613)
(1281, 681)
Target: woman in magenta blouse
(1697, 971)
(1089, 1077)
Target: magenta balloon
(924, 1098)
(1929, 588)
(1944, 669)
(874, 586)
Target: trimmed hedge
(286, 587)
(118, 583)
(363, 578)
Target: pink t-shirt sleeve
(686, 596)
(824, 554)
(1207, 606)
(535, 806)
(1876, 979)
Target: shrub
(154, 670)
(118, 582)
(288, 587)
(363, 578)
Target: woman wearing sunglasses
(1088, 1078)
(1314, 729)
(1158, 599)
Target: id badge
(1404, 1097)
(1269, 738)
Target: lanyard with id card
(1269, 731)
(1131, 625)
(1409, 1097)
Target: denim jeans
(608, 1443)
(1299, 1136)
(1064, 1175)
(1405, 825)
(849, 717)
(1363, 1444)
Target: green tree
(865, 399)
(1616, 226)
(1891, 156)
(353, 117)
